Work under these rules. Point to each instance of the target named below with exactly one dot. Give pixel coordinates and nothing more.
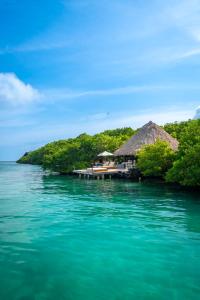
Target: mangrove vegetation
(156, 160)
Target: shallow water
(66, 238)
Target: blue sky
(72, 66)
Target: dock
(100, 173)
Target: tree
(186, 170)
(175, 129)
(190, 136)
(155, 159)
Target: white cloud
(15, 91)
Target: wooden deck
(100, 173)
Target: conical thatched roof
(148, 134)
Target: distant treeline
(156, 160)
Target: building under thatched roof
(148, 134)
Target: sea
(65, 238)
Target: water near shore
(66, 238)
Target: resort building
(124, 159)
(147, 135)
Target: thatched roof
(148, 134)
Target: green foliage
(190, 135)
(186, 169)
(155, 160)
(176, 129)
(126, 131)
(66, 155)
(182, 167)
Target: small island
(170, 153)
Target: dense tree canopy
(186, 168)
(156, 159)
(175, 129)
(66, 155)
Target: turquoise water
(66, 238)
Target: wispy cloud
(181, 17)
(43, 133)
(169, 56)
(70, 94)
(190, 53)
(15, 91)
(64, 94)
(34, 47)
(160, 117)
(186, 16)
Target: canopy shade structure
(147, 135)
(105, 154)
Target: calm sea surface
(66, 238)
